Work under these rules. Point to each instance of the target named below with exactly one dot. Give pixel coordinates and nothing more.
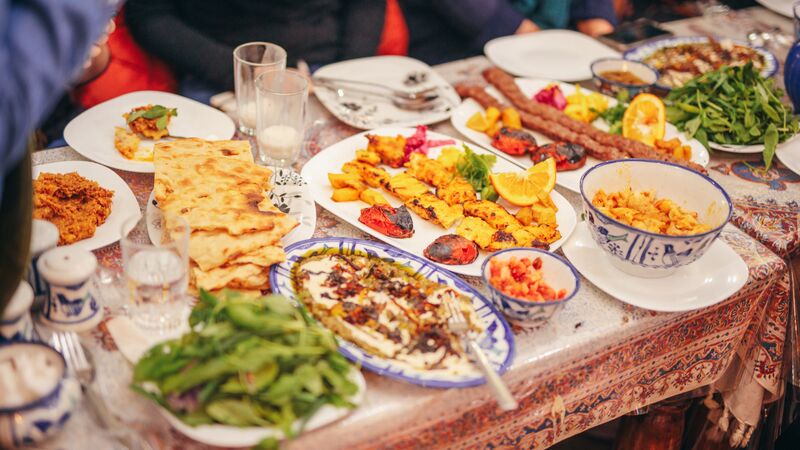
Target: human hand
(527, 26)
(595, 27)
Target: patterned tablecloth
(596, 360)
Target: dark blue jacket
(446, 30)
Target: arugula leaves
(476, 169)
(161, 113)
(246, 362)
(733, 105)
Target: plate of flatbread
(241, 214)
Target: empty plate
(558, 54)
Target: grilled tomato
(514, 142)
(568, 156)
(452, 249)
(393, 222)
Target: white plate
(717, 275)
(332, 158)
(557, 54)
(782, 7)
(229, 436)
(754, 148)
(134, 342)
(92, 133)
(568, 179)
(398, 72)
(123, 204)
(789, 154)
(290, 193)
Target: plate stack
(222, 194)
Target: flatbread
(242, 276)
(223, 196)
(210, 249)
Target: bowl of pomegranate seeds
(530, 284)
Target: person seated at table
(446, 30)
(42, 44)
(197, 37)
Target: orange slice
(478, 122)
(525, 188)
(645, 120)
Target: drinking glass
(250, 60)
(155, 264)
(281, 101)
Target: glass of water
(250, 60)
(281, 102)
(155, 265)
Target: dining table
(594, 361)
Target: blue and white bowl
(557, 272)
(37, 420)
(647, 74)
(642, 253)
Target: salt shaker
(16, 324)
(69, 273)
(44, 236)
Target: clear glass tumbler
(155, 265)
(281, 101)
(249, 61)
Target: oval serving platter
(643, 51)
(497, 340)
(333, 157)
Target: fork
(458, 325)
(69, 345)
(422, 94)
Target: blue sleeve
(593, 9)
(480, 20)
(43, 44)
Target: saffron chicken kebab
(436, 190)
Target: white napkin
(133, 341)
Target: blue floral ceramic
(640, 252)
(71, 304)
(16, 324)
(791, 75)
(497, 340)
(558, 273)
(37, 420)
(641, 52)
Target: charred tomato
(514, 142)
(568, 156)
(393, 222)
(452, 249)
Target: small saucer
(717, 275)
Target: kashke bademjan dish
(384, 308)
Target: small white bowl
(647, 74)
(642, 253)
(556, 271)
(37, 420)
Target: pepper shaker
(16, 324)
(44, 236)
(69, 274)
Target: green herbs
(733, 105)
(476, 168)
(613, 116)
(161, 113)
(246, 362)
